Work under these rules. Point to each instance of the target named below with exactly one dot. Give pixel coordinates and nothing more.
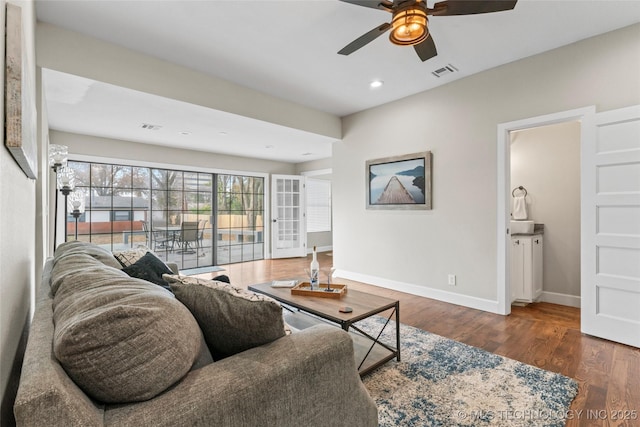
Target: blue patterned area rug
(442, 382)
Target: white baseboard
(320, 249)
(423, 291)
(561, 299)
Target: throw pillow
(122, 339)
(151, 269)
(132, 255)
(129, 256)
(232, 319)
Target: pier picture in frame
(399, 182)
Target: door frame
(586, 116)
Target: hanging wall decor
(20, 114)
(400, 182)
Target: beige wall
(458, 123)
(126, 150)
(17, 239)
(546, 161)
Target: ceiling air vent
(447, 69)
(150, 127)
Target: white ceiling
(288, 49)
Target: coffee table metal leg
(395, 351)
(398, 331)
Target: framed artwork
(20, 111)
(400, 182)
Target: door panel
(289, 235)
(611, 228)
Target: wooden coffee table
(307, 311)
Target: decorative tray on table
(304, 288)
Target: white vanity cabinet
(526, 267)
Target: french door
(288, 231)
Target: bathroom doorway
(609, 194)
(565, 291)
(545, 163)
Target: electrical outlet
(452, 280)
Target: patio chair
(201, 226)
(145, 228)
(188, 238)
(161, 239)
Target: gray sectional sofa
(98, 332)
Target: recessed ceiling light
(376, 84)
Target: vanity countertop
(537, 229)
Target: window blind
(318, 205)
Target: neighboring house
(457, 122)
(104, 212)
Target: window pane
(122, 176)
(258, 185)
(236, 187)
(175, 180)
(81, 173)
(247, 184)
(140, 177)
(101, 175)
(191, 202)
(160, 200)
(175, 200)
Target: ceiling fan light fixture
(409, 26)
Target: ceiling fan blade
(472, 7)
(426, 49)
(364, 39)
(375, 4)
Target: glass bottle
(314, 270)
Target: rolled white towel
(519, 208)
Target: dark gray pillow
(149, 268)
(232, 319)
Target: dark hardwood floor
(541, 334)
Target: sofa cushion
(119, 338)
(99, 253)
(149, 268)
(232, 319)
(72, 265)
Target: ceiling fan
(409, 22)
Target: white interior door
(288, 231)
(611, 228)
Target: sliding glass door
(180, 226)
(240, 215)
(180, 215)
